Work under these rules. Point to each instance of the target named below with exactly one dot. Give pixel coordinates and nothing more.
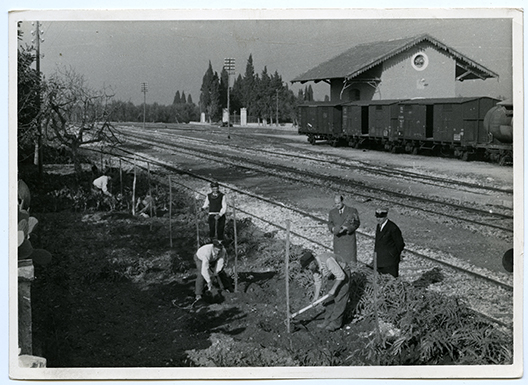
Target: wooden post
(151, 199)
(102, 164)
(196, 223)
(121, 178)
(134, 190)
(375, 287)
(236, 243)
(216, 227)
(287, 274)
(170, 212)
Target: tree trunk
(76, 161)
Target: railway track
(415, 262)
(493, 219)
(387, 170)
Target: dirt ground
(117, 294)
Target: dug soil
(117, 294)
(119, 291)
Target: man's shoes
(323, 325)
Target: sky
(176, 56)
(173, 55)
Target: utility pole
(144, 90)
(229, 65)
(38, 150)
(277, 110)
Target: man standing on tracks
(342, 222)
(209, 260)
(329, 266)
(216, 202)
(388, 244)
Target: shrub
(419, 327)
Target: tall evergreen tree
(205, 95)
(248, 89)
(189, 99)
(224, 83)
(177, 99)
(262, 103)
(183, 99)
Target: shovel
(323, 298)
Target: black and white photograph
(266, 194)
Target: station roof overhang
(354, 62)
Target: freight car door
(429, 121)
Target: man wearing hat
(329, 266)
(388, 244)
(216, 202)
(209, 260)
(343, 222)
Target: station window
(419, 61)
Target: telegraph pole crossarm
(229, 66)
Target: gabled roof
(363, 57)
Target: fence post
(196, 223)
(287, 275)
(376, 319)
(236, 243)
(134, 190)
(170, 212)
(151, 198)
(121, 178)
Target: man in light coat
(343, 222)
(329, 267)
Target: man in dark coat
(388, 245)
(343, 222)
(216, 202)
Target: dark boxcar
(376, 121)
(444, 124)
(321, 121)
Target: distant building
(415, 67)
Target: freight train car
(321, 121)
(464, 127)
(374, 123)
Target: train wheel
(505, 160)
(465, 156)
(311, 140)
(334, 142)
(415, 150)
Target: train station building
(415, 67)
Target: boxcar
(444, 125)
(374, 121)
(321, 121)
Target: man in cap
(343, 222)
(388, 244)
(209, 260)
(216, 202)
(329, 266)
